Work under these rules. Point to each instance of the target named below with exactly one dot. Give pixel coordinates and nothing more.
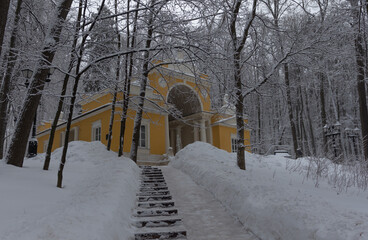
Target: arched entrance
(185, 119)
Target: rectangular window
(71, 135)
(45, 144)
(62, 139)
(142, 136)
(96, 131)
(234, 145)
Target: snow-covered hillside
(100, 192)
(96, 201)
(274, 202)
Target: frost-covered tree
(102, 41)
(3, 20)
(18, 143)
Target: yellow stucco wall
(156, 131)
(222, 137)
(170, 82)
(100, 99)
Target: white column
(167, 136)
(210, 131)
(178, 138)
(172, 138)
(203, 131)
(195, 132)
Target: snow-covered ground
(202, 215)
(96, 202)
(100, 192)
(274, 202)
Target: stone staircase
(156, 216)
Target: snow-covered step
(151, 170)
(153, 177)
(154, 198)
(149, 185)
(152, 173)
(149, 173)
(158, 221)
(156, 204)
(154, 181)
(155, 212)
(158, 177)
(161, 233)
(155, 215)
(153, 193)
(142, 189)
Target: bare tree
(18, 143)
(75, 88)
(63, 90)
(3, 19)
(153, 11)
(118, 64)
(128, 67)
(238, 44)
(5, 86)
(359, 54)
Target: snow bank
(96, 202)
(273, 202)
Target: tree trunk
(362, 94)
(310, 124)
(19, 141)
(128, 76)
(109, 136)
(74, 95)
(240, 158)
(56, 119)
(69, 123)
(238, 47)
(323, 111)
(5, 86)
(359, 52)
(290, 110)
(63, 90)
(3, 19)
(143, 85)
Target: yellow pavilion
(170, 87)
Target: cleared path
(203, 216)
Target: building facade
(177, 112)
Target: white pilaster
(210, 132)
(178, 138)
(203, 131)
(195, 132)
(167, 136)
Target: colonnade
(201, 132)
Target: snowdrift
(95, 203)
(273, 202)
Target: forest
(296, 69)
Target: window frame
(62, 138)
(146, 125)
(45, 145)
(233, 142)
(96, 125)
